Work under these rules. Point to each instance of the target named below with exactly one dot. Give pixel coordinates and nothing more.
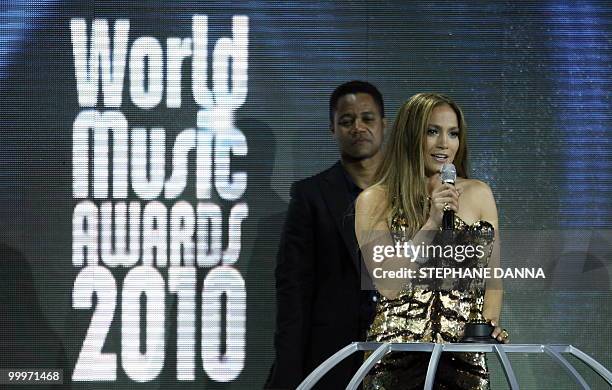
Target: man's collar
(354, 188)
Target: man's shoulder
(312, 182)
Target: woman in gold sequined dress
(406, 205)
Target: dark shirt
(368, 297)
(354, 189)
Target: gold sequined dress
(435, 310)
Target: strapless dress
(432, 311)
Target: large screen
(147, 150)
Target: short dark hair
(355, 86)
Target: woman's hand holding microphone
(443, 197)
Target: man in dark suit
(321, 306)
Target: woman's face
(441, 138)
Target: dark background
(533, 79)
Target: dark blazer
(320, 305)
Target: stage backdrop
(147, 149)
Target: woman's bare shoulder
(372, 198)
(477, 196)
(474, 186)
(371, 203)
(377, 191)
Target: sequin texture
(432, 311)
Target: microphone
(448, 174)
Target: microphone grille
(448, 173)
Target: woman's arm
(494, 289)
(373, 235)
(371, 231)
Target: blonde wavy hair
(402, 171)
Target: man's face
(358, 127)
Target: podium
(501, 350)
